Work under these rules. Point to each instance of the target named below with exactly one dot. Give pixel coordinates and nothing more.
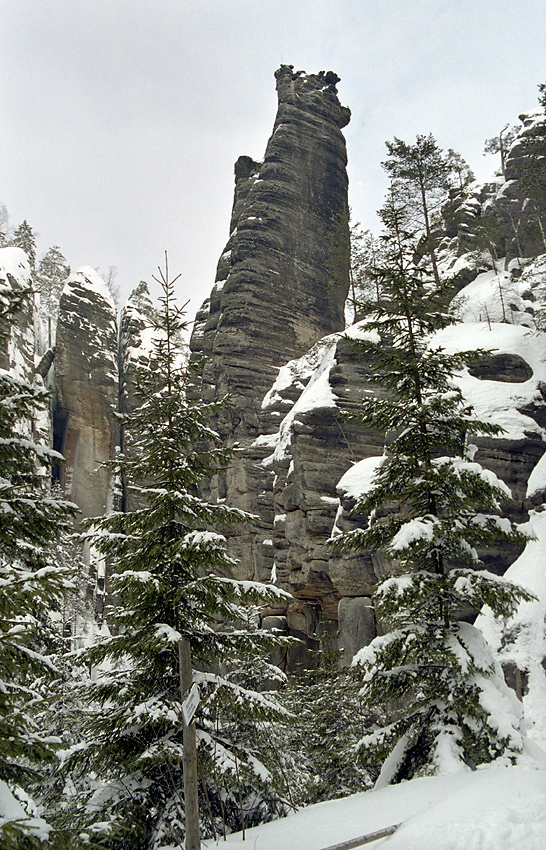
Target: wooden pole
(364, 839)
(189, 759)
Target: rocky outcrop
(523, 201)
(86, 368)
(271, 339)
(277, 291)
(297, 458)
(17, 350)
(315, 479)
(318, 465)
(505, 218)
(274, 295)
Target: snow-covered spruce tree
(23, 237)
(328, 720)
(431, 506)
(52, 272)
(32, 586)
(171, 580)
(421, 175)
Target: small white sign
(190, 704)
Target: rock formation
(134, 345)
(271, 338)
(276, 292)
(300, 472)
(86, 370)
(505, 218)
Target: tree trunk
(191, 802)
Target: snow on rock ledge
(503, 403)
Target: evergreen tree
(172, 585)
(23, 237)
(501, 143)
(431, 507)
(53, 270)
(365, 248)
(32, 585)
(460, 169)
(328, 720)
(421, 176)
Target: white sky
(122, 119)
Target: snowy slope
(495, 808)
(522, 639)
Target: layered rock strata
(317, 462)
(276, 290)
(297, 459)
(136, 335)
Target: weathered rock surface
(308, 455)
(272, 336)
(274, 295)
(507, 217)
(17, 353)
(86, 367)
(295, 451)
(314, 450)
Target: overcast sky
(121, 119)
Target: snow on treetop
(14, 262)
(87, 279)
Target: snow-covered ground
(494, 808)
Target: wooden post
(189, 759)
(364, 839)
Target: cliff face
(86, 372)
(314, 456)
(298, 462)
(275, 293)
(274, 296)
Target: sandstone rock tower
(86, 371)
(275, 293)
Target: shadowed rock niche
(276, 290)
